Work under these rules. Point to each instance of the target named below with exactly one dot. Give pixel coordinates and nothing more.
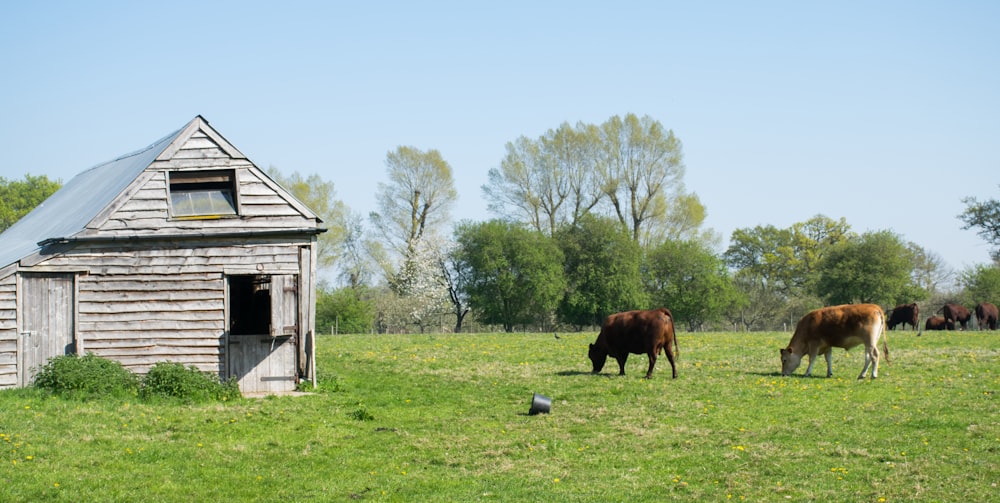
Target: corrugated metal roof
(68, 211)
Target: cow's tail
(677, 349)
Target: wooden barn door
(47, 305)
(262, 355)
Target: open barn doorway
(262, 322)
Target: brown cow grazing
(938, 323)
(635, 332)
(986, 315)
(903, 314)
(831, 327)
(956, 312)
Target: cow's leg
(829, 362)
(812, 359)
(875, 358)
(670, 358)
(652, 363)
(621, 363)
(871, 358)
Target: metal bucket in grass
(540, 404)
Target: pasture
(444, 418)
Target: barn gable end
(173, 267)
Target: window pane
(203, 193)
(202, 202)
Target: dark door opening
(250, 305)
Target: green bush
(174, 380)
(86, 376)
(91, 376)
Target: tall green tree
(642, 171)
(690, 280)
(629, 168)
(416, 199)
(515, 275)
(876, 267)
(985, 217)
(320, 196)
(785, 259)
(602, 268)
(19, 197)
(548, 182)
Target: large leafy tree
(985, 217)
(514, 275)
(763, 254)
(690, 280)
(548, 182)
(876, 267)
(785, 260)
(629, 168)
(642, 170)
(416, 199)
(602, 269)
(19, 197)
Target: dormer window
(203, 194)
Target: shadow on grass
(568, 373)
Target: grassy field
(444, 418)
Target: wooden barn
(184, 251)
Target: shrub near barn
(92, 377)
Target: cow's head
(598, 357)
(789, 361)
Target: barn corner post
(307, 294)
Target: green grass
(444, 418)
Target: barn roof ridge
(69, 210)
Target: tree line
(588, 220)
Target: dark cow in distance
(905, 314)
(635, 332)
(956, 313)
(986, 315)
(938, 323)
(831, 327)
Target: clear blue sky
(885, 113)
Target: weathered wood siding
(8, 331)
(147, 212)
(154, 303)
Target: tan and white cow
(831, 327)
